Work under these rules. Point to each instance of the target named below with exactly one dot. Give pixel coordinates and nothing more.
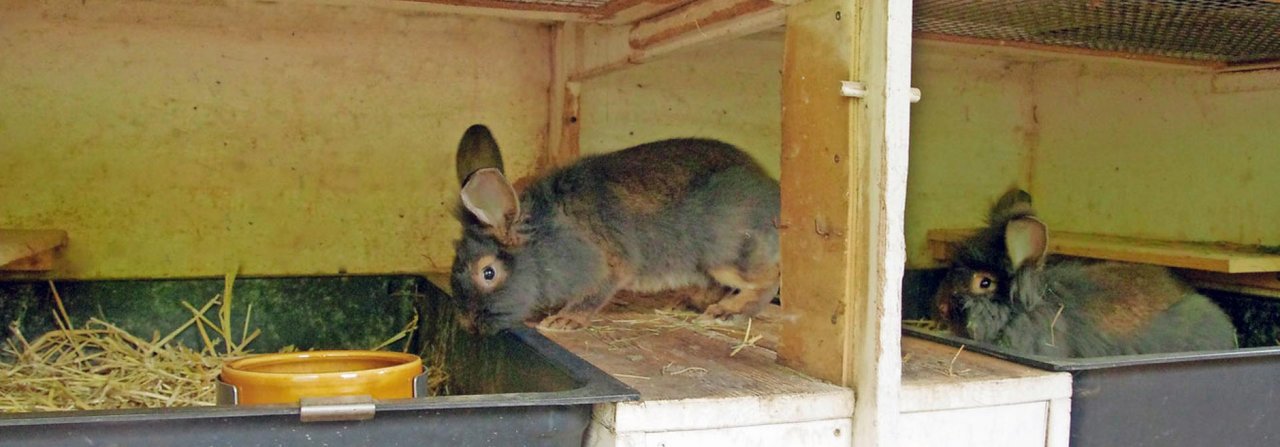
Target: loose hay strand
(408, 330)
(747, 340)
(224, 312)
(1053, 335)
(951, 366)
(925, 324)
(184, 326)
(200, 322)
(244, 334)
(632, 376)
(671, 369)
(60, 316)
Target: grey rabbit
(660, 216)
(1001, 290)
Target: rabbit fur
(655, 217)
(1001, 290)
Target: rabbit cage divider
(1143, 121)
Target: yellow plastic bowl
(286, 378)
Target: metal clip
(341, 408)
(421, 386)
(227, 394)
(855, 89)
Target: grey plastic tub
(1218, 398)
(517, 388)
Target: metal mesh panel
(1226, 31)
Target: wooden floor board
(668, 354)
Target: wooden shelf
(29, 250)
(1212, 257)
(930, 370)
(1257, 284)
(696, 384)
(642, 346)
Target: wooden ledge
(695, 376)
(29, 250)
(1258, 284)
(1212, 257)
(941, 377)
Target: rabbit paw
(718, 314)
(564, 323)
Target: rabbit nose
(468, 323)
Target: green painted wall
(729, 90)
(1159, 153)
(969, 139)
(182, 138)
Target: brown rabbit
(655, 217)
(1001, 291)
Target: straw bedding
(99, 366)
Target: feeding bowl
(286, 378)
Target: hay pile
(100, 366)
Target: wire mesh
(1223, 31)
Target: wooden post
(562, 113)
(843, 193)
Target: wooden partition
(843, 194)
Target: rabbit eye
(982, 283)
(488, 273)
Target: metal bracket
(340, 408)
(855, 89)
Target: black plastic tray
(1207, 398)
(523, 389)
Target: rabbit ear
(476, 151)
(1027, 240)
(1012, 197)
(490, 198)
(1013, 204)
